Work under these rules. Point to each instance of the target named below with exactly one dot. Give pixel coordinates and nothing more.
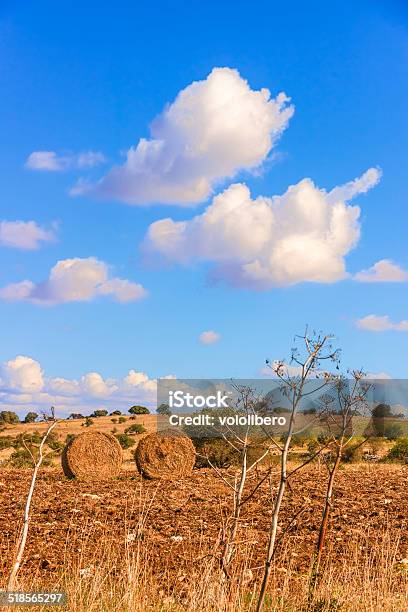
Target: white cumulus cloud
(93, 384)
(24, 386)
(212, 130)
(384, 271)
(22, 374)
(302, 235)
(382, 323)
(209, 337)
(74, 280)
(26, 235)
(50, 161)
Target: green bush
(215, 451)
(21, 458)
(7, 416)
(6, 442)
(135, 429)
(322, 438)
(163, 409)
(122, 419)
(54, 443)
(88, 422)
(393, 431)
(312, 446)
(27, 438)
(219, 453)
(399, 452)
(69, 438)
(353, 452)
(99, 413)
(31, 417)
(382, 411)
(139, 410)
(299, 439)
(125, 441)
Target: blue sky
(77, 78)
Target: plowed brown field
(180, 521)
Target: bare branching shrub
(242, 448)
(347, 397)
(315, 350)
(36, 462)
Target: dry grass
(123, 579)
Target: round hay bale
(92, 455)
(165, 455)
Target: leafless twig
(24, 532)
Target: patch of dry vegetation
(124, 579)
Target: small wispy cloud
(382, 323)
(384, 271)
(209, 337)
(26, 235)
(378, 376)
(50, 161)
